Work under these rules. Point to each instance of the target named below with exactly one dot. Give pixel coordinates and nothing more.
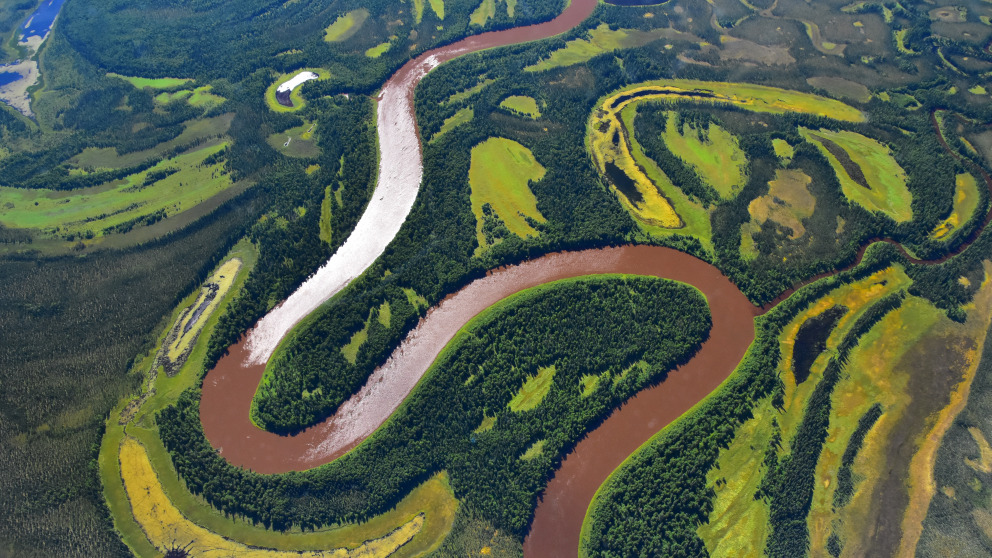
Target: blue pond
(8, 77)
(41, 20)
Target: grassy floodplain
(881, 186)
(713, 153)
(379, 50)
(345, 26)
(185, 181)
(426, 513)
(522, 105)
(500, 174)
(966, 200)
(739, 522)
(296, 96)
(601, 39)
(195, 130)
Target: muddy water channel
(400, 173)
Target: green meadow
(713, 153)
(887, 192)
(500, 173)
(185, 182)
(524, 106)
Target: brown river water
(228, 388)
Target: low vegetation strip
(345, 26)
(711, 151)
(166, 528)
(522, 105)
(966, 201)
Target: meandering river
(228, 389)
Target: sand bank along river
(400, 173)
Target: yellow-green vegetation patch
(394, 533)
(168, 188)
(312, 169)
(819, 43)
(900, 39)
(522, 105)
(325, 215)
(500, 174)
(299, 141)
(378, 50)
(738, 522)
(438, 7)
(153, 83)
(350, 350)
(712, 152)
(200, 97)
(296, 97)
(868, 174)
(486, 425)
(485, 12)
(588, 384)
(533, 391)
(385, 314)
(608, 140)
(416, 300)
(966, 199)
(466, 93)
(601, 39)
(535, 450)
(783, 150)
(187, 327)
(462, 116)
(977, 90)
(757, 98)
(345, 26)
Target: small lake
(8, 77)
(40, 22)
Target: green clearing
(153, 83)
(325, 215)
(783, 150)
(534, 451)
(500, 174)
(168, 188)
(966, 200)
(589, 383)
(378, 50)
(438, 7)
(345, 26)
(95, 158)
(358, 339)
(524, 106)
(533, 391)
(296, 142)
(888, 193)
(296, 96)
(462, 116)
(601, 39)
(713, 153)
(200, 97)
(486, 425)
(788, 203)
(466, 93)
(416, 300)
(485, 12)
